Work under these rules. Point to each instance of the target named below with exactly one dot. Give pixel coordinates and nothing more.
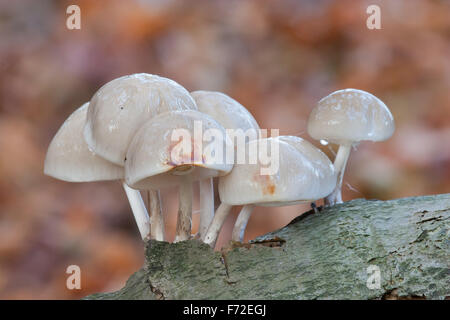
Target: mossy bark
(322, 255)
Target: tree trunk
(333, 254)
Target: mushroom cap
(69, 158)
(119, 108)
(315, 155)
(304, 174)
(150, 163)
(225, 110)
(350, 115)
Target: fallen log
(361, 249)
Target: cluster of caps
(126, 133)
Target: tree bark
(317, 256)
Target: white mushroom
(167, 151)
(69, 158)
(232, 116)
(305, 174)
(119, 108)
(347, 117)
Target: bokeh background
(277, 58)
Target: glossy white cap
(119, 108)
(69, 158)
(304, 174)
(225, 110)
(150, 163)
(350, 115)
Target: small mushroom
(305, 174)
(119, 108)
(167, 151)
(347, 117)
(69, 158)
(231, 115)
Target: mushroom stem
(216, 224)
(184, 220)
(339, 165)
(139, 211)
(206, 206)
(241, 223)
(156, 216)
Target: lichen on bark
(321, 255)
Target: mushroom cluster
(150, 133)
